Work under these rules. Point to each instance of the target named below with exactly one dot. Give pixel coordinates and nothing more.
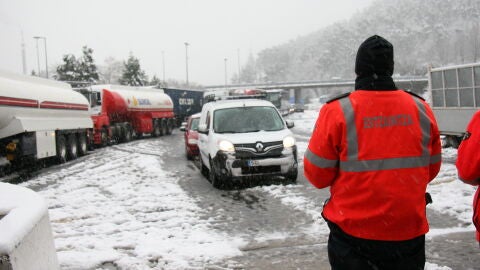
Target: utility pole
(163, 64)
(38, 57)
(24, 58)
(225, 59)
(186, 59)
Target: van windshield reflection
(247, 119)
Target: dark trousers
(346, 252)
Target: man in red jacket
(377, 148)
(468, 164)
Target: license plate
(252, 163)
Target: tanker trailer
(39, 119)
(127, 112)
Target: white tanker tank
(41, 118)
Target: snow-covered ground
(120, 206)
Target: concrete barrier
(26, 240)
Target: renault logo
(259, 147)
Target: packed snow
(101, 211)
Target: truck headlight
(192, 141)
(288, 141)
(226, 146)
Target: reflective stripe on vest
(352, 164)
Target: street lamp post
(163, 64)
(225, 59)
(38, 57)
(186, 59)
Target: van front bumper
(229, 166)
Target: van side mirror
(202, 128)
(290, 124)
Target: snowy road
(142, 205)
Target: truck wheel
(72, 150)
(157, 131)
(82, 144)
(128, 133)
(61, 149)
(164, 127)
(169, 127)
(104, 137)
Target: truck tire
(82, 144)
(104, 137)
(169, 127)
(157, 130)
(164, 127)
(72, 150)
(61, 149)
(128, 133)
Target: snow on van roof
(230, 103)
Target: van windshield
(247, 119)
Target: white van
(245, 138)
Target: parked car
(245, 139)
(191, 136)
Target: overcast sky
(215, 30)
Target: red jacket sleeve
(322, 156)
(468, 160)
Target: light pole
(225, 59)
(186, 59)
(163, 64)
(38, 57)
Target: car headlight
(225, 145)
(192, 141)
(288, 141)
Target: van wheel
(213, 178)
(61, 149)
(72, 150)
(292, 176)
(203, 169)
(82, 144)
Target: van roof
(232, 103)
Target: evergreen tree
(86, 67)
(132, 73)
(155, 81)
(82, 69)
(68, 71)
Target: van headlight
(288, 141)
(226, 146)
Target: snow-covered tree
(82, 69)
(132, 73)
(68, 71)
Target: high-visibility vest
(468, 164)
(377, 150)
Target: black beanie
(374, 56)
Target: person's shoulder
(338, 97)
(414, 94)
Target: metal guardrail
(313, 84)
